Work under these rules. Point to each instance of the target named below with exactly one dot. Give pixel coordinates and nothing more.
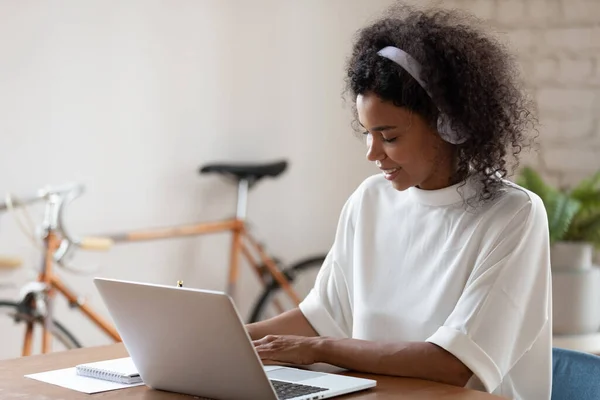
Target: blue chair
(576, 375)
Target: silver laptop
(193, 341)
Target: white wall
(558, 47)
(131, 97)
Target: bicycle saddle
(252, 172)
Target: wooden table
(13, 384)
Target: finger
(266, 346)
(273, 362)
(265, 353)
(265, 340)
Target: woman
(440, 266)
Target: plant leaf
(591, 231)
(531, 180)
(561, 211)
(585, 227)
(588, 193)
(586, 223)
(588, 185)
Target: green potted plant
(574, 225)
(573, 218)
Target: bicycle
(34, 307)
(283, 287)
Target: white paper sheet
(69, 379)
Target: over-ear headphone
(410, 65)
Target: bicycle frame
(54, 284)
(53, 235)
(240, 235)
(58, 243)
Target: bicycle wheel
(274, 299)
(20, 314)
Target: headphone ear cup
(445, 130)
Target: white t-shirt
(418, 265)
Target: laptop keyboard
(287, 390)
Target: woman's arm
(421, 360)
(290, 322)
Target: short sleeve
(328, 306)
(506, 302)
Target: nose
(374, 149)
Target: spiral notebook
(120, 370)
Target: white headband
(413, 67)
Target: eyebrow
(381, 128)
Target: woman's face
(401, 143)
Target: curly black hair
(471, 78)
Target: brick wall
(558, 46)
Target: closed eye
(390, 140)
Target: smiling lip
(390, 173)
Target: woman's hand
(299, 350)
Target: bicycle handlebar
(56, 199)
(42, 195)
(96, 243)
(23, 201)
(10, 262)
